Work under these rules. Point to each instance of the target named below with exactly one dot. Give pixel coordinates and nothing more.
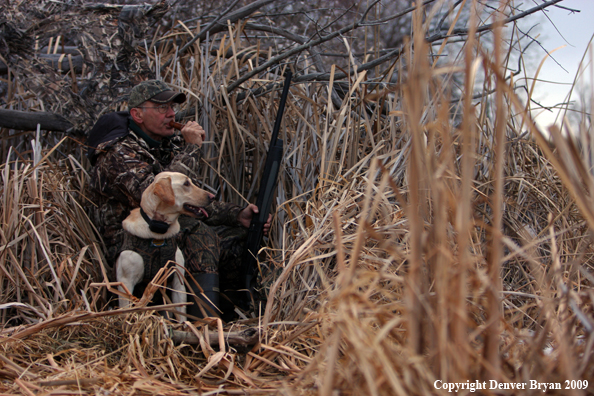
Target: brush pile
(426, 232)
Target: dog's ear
(164, 190)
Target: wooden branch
(340, 75)
(60, 61)
(465, 32)
(317, 59)
(245, 337)
(54, 60)
(216, 26)
(325, 76)
(71, 382)
(396, 16)
(278, 31)
(28, 120)
(104, 7)
(298, 49)
(66, 49)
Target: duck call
(176, 125)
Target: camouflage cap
(155, 91)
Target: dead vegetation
(422, 231)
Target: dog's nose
(211, 197)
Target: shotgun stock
(265, 195)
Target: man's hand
(245, 217)
(193, 133)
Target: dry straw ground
(418, 236)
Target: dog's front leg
(179, 294)
(129, 271)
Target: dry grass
(415, 239)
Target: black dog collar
(158, 227)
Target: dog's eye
(187, 183)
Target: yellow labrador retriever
(170, 195)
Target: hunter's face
(155, 118)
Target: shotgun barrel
(265, 195)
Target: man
(127, 150)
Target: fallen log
(58, 61)
(247, 337)
(28, 120)
(61, 61)
(67, 49)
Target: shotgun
(265, 195)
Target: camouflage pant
(213, 250)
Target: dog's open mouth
(197, 211)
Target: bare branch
(207, 29)
(296, 50)
(491, 26)
(365, 66)
(215, 26)
(396, 16)
(278, 31)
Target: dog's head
(172, 194)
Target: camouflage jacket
(125, 166)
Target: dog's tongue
(198, 211)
